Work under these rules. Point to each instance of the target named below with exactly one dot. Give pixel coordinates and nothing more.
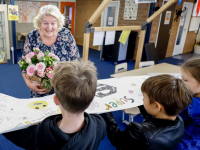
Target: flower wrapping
(39, 65)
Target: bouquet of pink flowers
(39, 64)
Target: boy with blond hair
(75, 85)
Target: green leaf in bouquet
(53, 59)
(20, 58)
(47, 84)
(34, 60)
(45, 62)
(24, 66)
(42, 80)
(41, 59)
(46, 53)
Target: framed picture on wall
(130, 10)
(28, 10)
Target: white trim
(117, 12)
(3, 8)
(187, 23)
(112, 3)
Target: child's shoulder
(155, 126)
(97, 120)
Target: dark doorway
(164, 32)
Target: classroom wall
(191, 35)
(84, 10)
(82, 16)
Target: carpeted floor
(12, 83)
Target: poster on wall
(194, 13)
(130, 10)
(28, 10)
(145, 1)
(167, 17)
(194, 24)
(110, 21)
(12, 12)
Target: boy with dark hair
(75, 85)
(164, 98)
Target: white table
(158, 68)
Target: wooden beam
(118, 28)
(99, 11)
(159, 11)
(140, 48)
(86, 42)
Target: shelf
(3, 62)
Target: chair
(151, 52)
(121, 68)
(21, 38)
(146, 63)
(132, 111)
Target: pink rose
(50, 75)
(27, 56)
(41, 73)
(55, 64)
(40, 66)
(30, 70)
(28, 60)
(40, 54)
(56, 57)
(31, 54)
(51, 55)
(49, 69)
(37, 48)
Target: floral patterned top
(65, 48)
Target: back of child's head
(193, 67)
(169, 91)
(75, 84)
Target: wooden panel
(118, 28)
(86, 41)
(140, 48)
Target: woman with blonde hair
(52, 36)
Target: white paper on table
(98, 38)
(110, 37)
(111, 95)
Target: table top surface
(158, 68)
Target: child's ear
(157, 106)
(56, 101)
